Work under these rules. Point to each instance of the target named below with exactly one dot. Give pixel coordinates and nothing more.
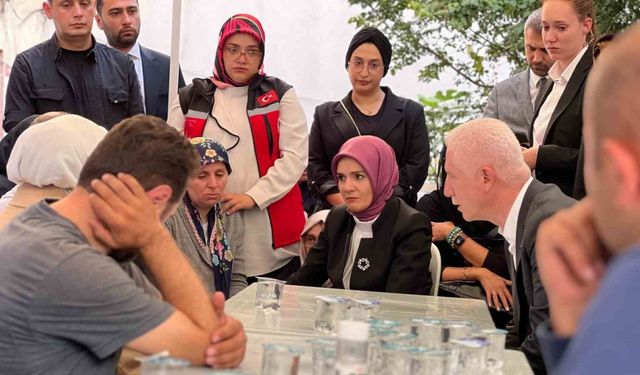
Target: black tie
(542, 87)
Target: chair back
(435, 266)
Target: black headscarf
(377, 38)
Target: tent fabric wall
(306, 41)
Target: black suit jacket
(579, 187)
(155, 67)
(398, 254)
(530, 305)
(402, 126)
(558, 155)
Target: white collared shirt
(510, 229)
(560, 80)
(136, 56)
(363, 229)
(534, 80)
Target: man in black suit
(120, 21)
(488, 179)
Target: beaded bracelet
(452, 235)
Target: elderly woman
(369, 109)
(260, 122)
(375, 242)
(46, 160)
(201, 230)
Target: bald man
(488, 179)
(590, 254)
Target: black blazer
(155, 68)
(530, 305)
(579, 187)
(402, 127)
(398, 254)
(558, 155)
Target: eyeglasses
(235, 52)
(356, 65)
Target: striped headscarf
(239, 23)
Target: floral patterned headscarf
(210, 152)
(216, 242)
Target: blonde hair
(489, 142)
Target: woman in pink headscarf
(375, 241)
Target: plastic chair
(435, 268)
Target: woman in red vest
(260, 122)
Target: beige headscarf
(317, 218)
(53, 152)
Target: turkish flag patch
(268, 98)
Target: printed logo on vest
(268, 98)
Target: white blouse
(363, 229)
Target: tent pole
(175, 51)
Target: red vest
(286, 215)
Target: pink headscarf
(379, 163)
(239, 23)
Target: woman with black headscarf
(369, 109)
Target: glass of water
(429, 362)
(324, 356)
(395, 359)
(469, 355)
(160, 365)
(382, 324)
(269, 293)
(281, 359)
(453, 329)
(496, 339)
(329, 311)
(428, 332)
(362, 309)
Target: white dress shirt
(560, 80)
(534, 81)
(510, 229)
(363, 229)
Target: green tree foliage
(471, 38)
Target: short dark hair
(100, 4)
(147, 148)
